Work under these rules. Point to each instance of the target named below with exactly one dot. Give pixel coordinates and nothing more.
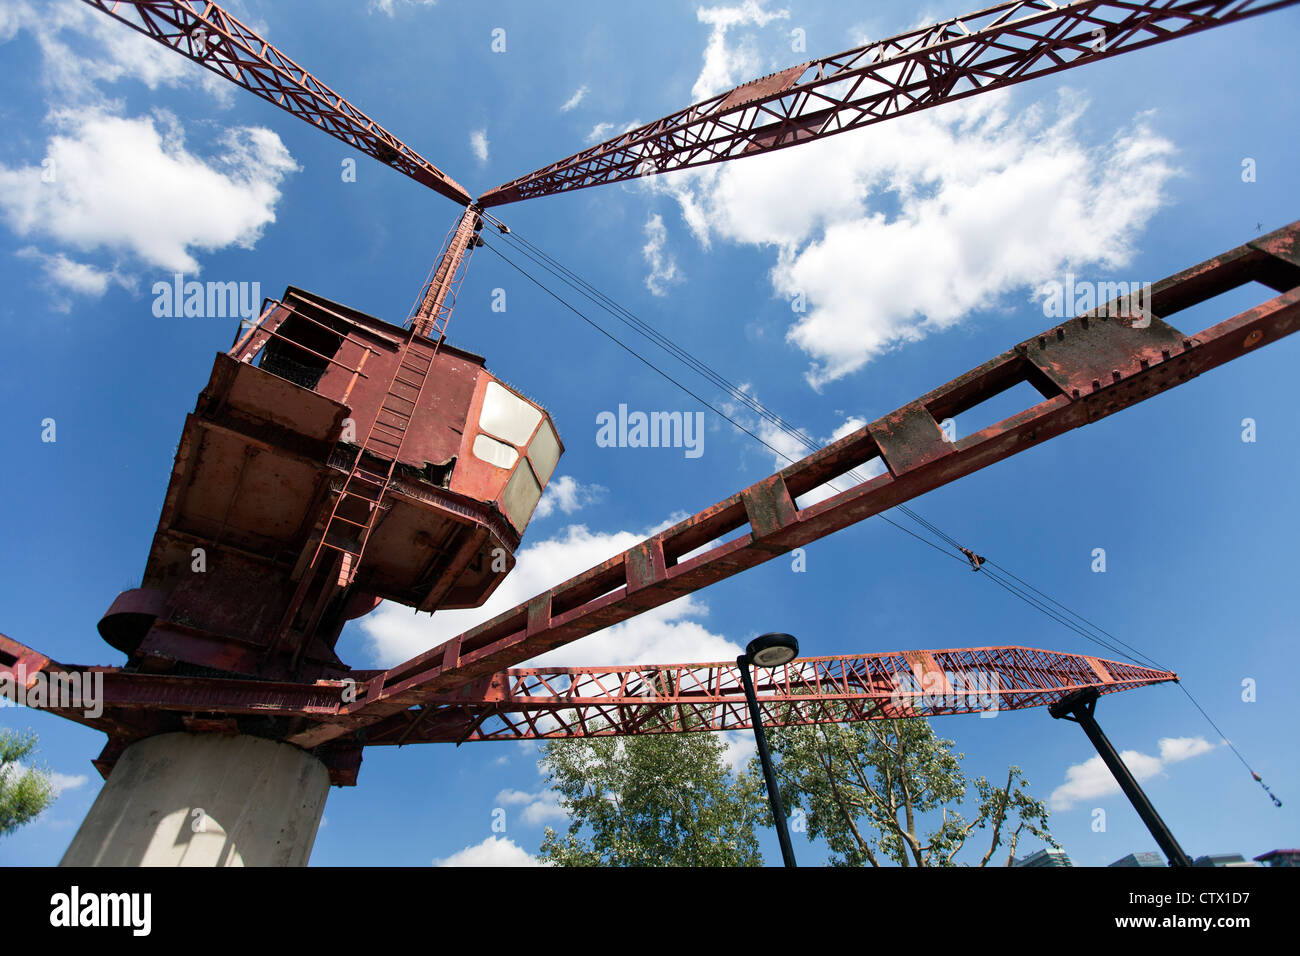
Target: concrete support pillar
(205, 800)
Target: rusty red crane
(335, 460)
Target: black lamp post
(770, 650)
(1079, 707)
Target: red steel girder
(129, 697)
(1086, 368)
(992, 48)
(547, 703)
(211, 37)
(532, 703)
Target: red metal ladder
(356, 509)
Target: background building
(1147, 858)
(1279, 858)
(1045, 857)
(1222, 859)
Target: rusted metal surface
(235, 581)
(910, 445)
(208, 35)
(993, 48)
(438, 298)
(545, 703)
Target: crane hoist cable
(999, 575)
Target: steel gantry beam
(208, 35)
(990, 49)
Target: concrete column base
(205, 800)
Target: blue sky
(918, 246)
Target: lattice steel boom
(531, 703)
(211, 37)
(992, 48)
(534, 703)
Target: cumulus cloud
(889, 237)
(663, 267)
(578, 95)
(494, 851)
(478, 144)
(667, 635)
(1092, 780)
(728, 64)
(568, 495)
(538, 808)
(131, 185)
(128, 189)
(68, 275)
(83, 52)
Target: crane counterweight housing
(332, 461)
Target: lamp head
(772, 650)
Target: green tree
(665, 799)
(889, 790)
(25, 795)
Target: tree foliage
(24, 793)
(888, 790)
(665, 799)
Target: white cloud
(567, 495)
(730, 64)
(663, 267)
(509, 797)
(850, 425)
(1091, 779)
(539, 807)
(66, 274)
(83, 51)
(667, 635)
(1175, 749)
(599, 132)
(63, 782)
(741, 748)
(478, 143)
(387, 7)
(127, 185)
(494, 851)
(914, 225)
(578, 95)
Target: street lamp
(770, 650)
